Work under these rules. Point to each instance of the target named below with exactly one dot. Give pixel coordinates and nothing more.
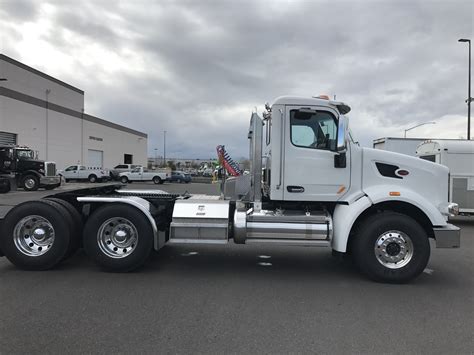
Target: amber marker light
(394, 193)
(341, 189)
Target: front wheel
(118, 237)
(391, 247)
(30, 183)
(123, 179)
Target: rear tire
(124, 180)
(76, 226)
(391, 247)
(118, 237)
(157, 180)
(30, 183)
(36, 235)
(92, 178)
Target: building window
(128, 159)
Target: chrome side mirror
(341, 135)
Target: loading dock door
(95, 158)
(7, 138)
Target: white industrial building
(48, 116)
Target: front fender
(30, 172)
(345, 216)
(343, 219)
(379, 194)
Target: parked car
(80, 172)
(141, 174)
(180, 176)
(122, 168)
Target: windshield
(25, 154)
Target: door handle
(297, 189)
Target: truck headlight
(41, 171)
(453, 209)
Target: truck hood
(394, 172)
(26, 164)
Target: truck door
(82, 173)
(71, 172)
(310, 173)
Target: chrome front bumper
(50, 180)
(448, 236)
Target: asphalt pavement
(237, 299)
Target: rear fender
(139, 203)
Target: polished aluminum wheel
(29, 183)
(117, 237)
(393, 249)
(33, 235)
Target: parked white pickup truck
(80, 172)
(141, 174)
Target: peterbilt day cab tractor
(27, 171)
(310, 185)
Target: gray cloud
(207, 64)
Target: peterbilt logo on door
(200, 211)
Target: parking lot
(236, 299)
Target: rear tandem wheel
(36, 235)
(118, 237)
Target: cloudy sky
(197, 69)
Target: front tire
(36, 235)
(391, 247)
(118, 237)
(30, 183)
(124, 180)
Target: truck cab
(29, 172)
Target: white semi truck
(310, 185)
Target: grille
(50, 169)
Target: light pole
(418, 125)
(156, 157)
(469, 98)
(164, 148)
(47, 92)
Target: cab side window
(314, 130)
(71, 168)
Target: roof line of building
(39, 73)
(12, 94)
